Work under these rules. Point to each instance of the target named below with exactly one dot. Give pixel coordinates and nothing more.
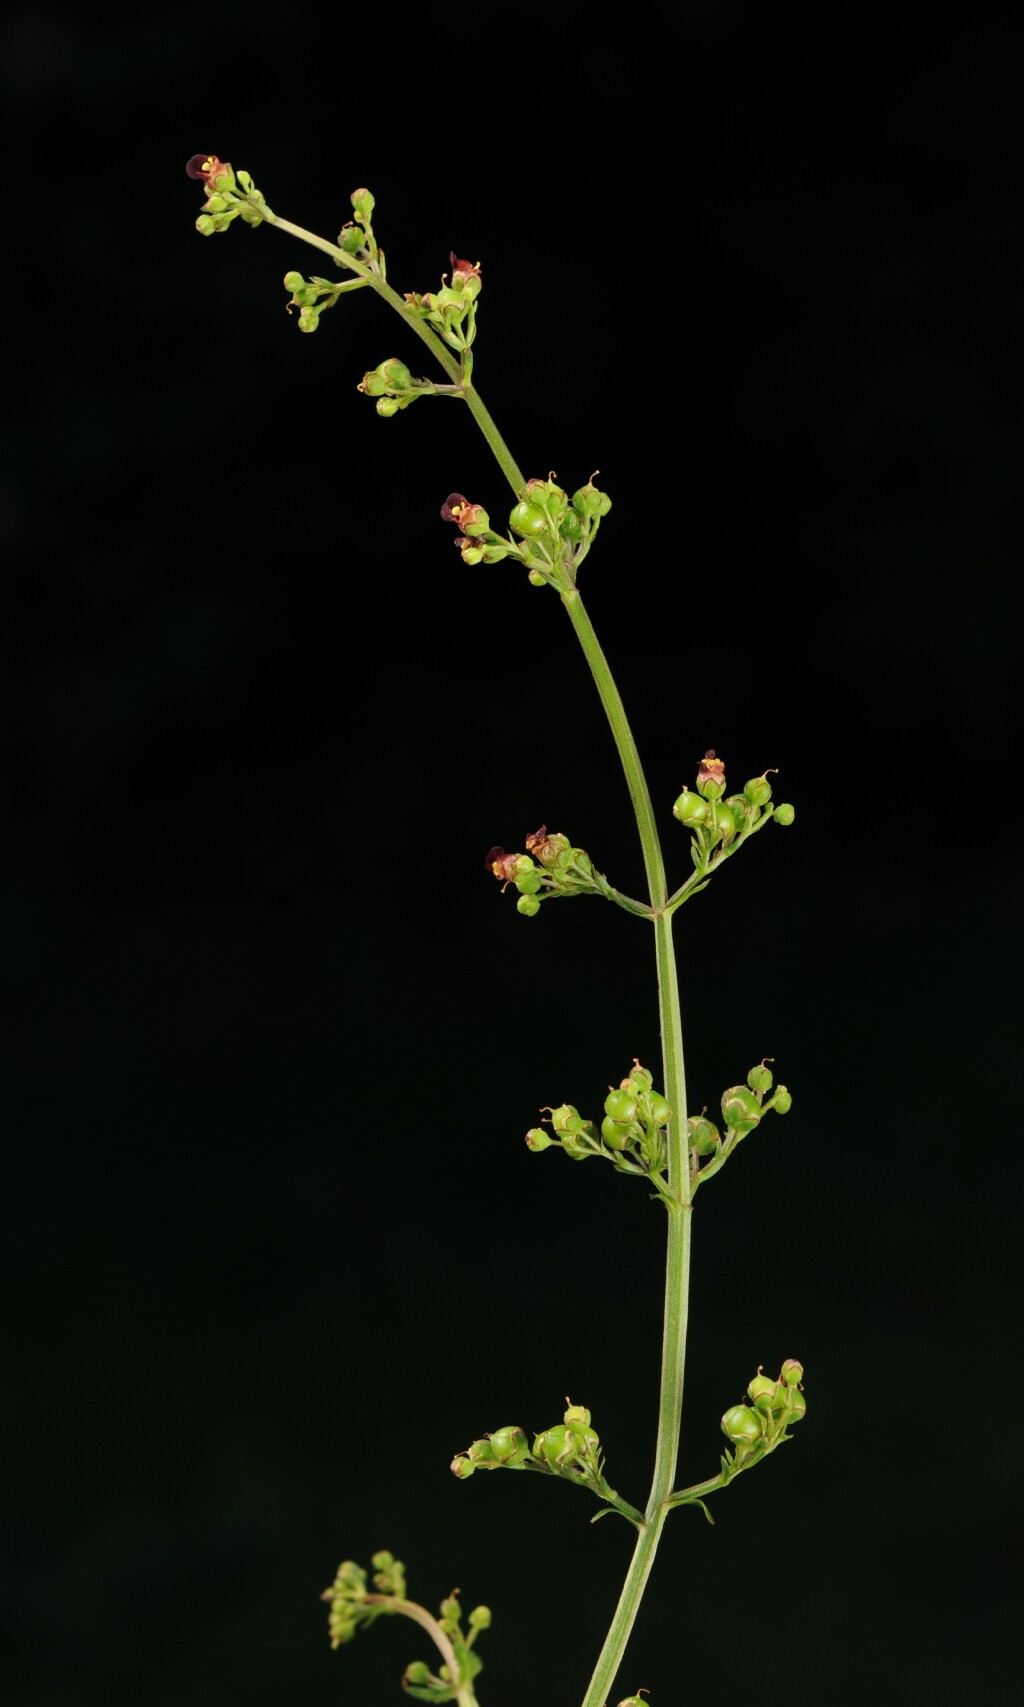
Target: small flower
(711, 769)
(469, 518)
(463, 269)
(209, 170)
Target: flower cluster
(631, 1135)
(550, 867)
(555, 532)
(571, 1449)
(721, 824)
(742, 1109)
(451, 311)
(757, 1429)
(228, 195)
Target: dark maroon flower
(207, 168)
(711, 769)
(453, 506)
(463, 269)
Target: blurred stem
(411, 1609)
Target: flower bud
(781, 1102)
(480, 1453)
(570, 528)
(363, 204)
(461, 1467)
(689, 808)
(528, 905)
(577, 1414)
(741, 1109)
(416, 1672)
(742, 1425)
(537, 1139)
(528, 519)
(620, 1105)
(588, 501)
(785, 813)
(537, 579)
(639, 1079)
(616, 1133)
(509, 1446)
(725, 822)
(480, 1618)
(388, 406)
(758, 791)
(547, 850)
(711, 776)
(792, 1372)
(294, 281)
(704, 1135)
(554, 1445)
(565, 1118)
(797, 1406)
(659, 1110)
(764, 1392)
(760, 1078)
(351, 239)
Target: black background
(271, 1034)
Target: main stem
(677, 1258)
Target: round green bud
(480, 1618)
(758, 791)
(782, 1101)
(350, 239)
(340, 1629)
(388, 406)
(530, 882)
(742, 1425)
(205, 225)
(660, 1110)
(509, 1445)
(639, 1078)
(690, 808)
(588, 501)
(528, 905)
(577, 1414)
(760, 1078)
(480, 1453)
(797, 1406)
(416, 1672)
(704, 1135)
(619, 1105)
(785, 813)
(792, 1372)
(570, 527)
(537, 1139)
(461, 1467)
(309, 319)
(565, 1118)
(471, 554)
(529, 520)
(394, 373)
(725, 822)
(536, 579)
(616, 1133)
(764, 1392)
(293, 281)
(741, 1109)
(554, 1445)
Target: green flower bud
(293, 281)
(340, 1628)
(565, 1118)
(416, 1672)
(792, 1372)
(528, 905)
(660, 1111)
(764, 1392)
(570, 528)
(461, 1467)
(577, 1414)
(395, 374)
(782, 1101)
(725, 822)
(351, 239)
(760, 1078)
(480, 1453)
(588, 501)
(639, 1078)
(620, 1105)
(537, 1139)
(529, 520)
(741, 1109)
(785, 813)
(509, 1446)
(309, 319)
(742, 1425)
(704, 1135)
(364, 204)
(480, 1618)
(205, 225)
(536, 579)
(758, 791)
(388, 406)
(690, 808)
(530, 882)
(554, 1445)
(615, 1133)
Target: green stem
(411, 1609)
(677, 1264)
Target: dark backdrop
(271, 1034)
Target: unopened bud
(785, 813)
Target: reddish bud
(463, 269)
